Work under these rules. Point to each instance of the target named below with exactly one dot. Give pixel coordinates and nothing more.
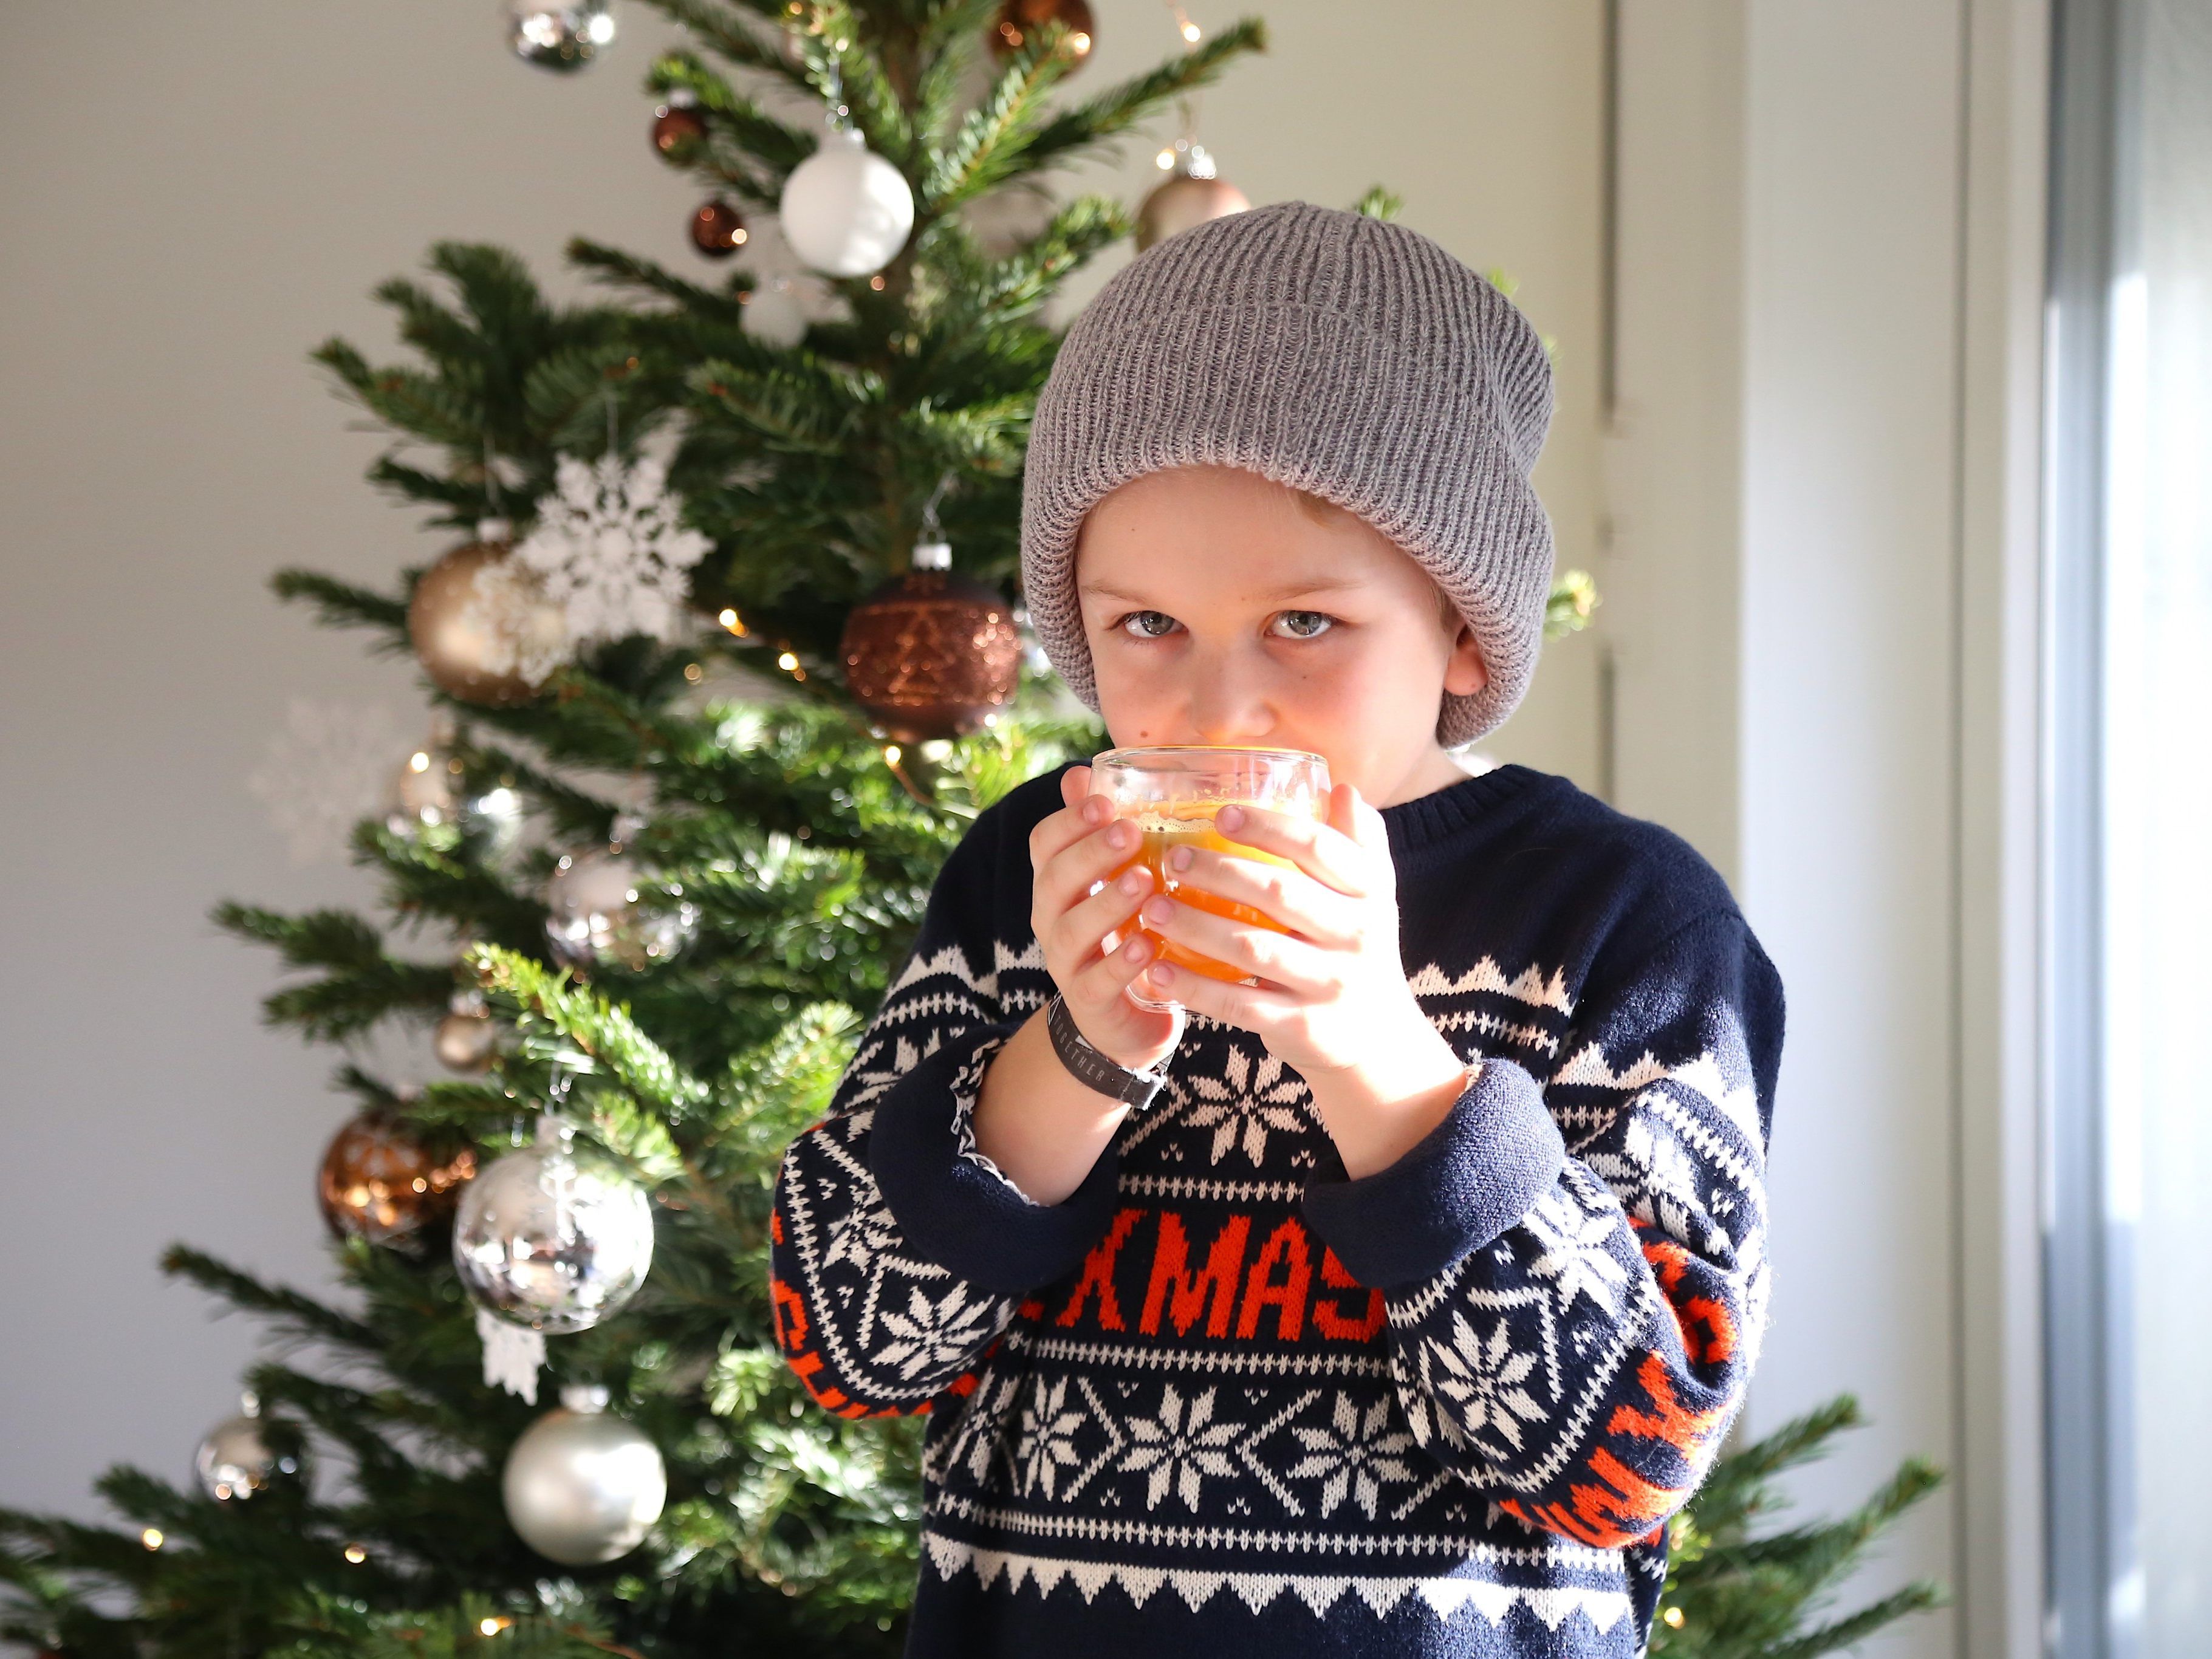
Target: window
(2129, 957)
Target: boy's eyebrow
(1324, 584)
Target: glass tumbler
(1171, 792)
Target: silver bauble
(554, 1237)
(846, 211)
(582, 1486)
(234, 1462)
(468, 1036)
(558, 37)
(430, 789)
(596, 913)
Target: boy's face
(1220, 610)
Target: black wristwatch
(1107, 1075)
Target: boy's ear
(1464, 674)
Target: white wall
(193, 197)
(1825, 463)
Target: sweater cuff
(1496, 1152)
(952, 1204)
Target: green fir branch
(1113, 112)
(338, 604)
(288, 1309)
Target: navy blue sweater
(1223, 1399)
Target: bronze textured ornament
(932, 654)
(379, 1182)
(1018, 20)
(718, 230)
(679, 129)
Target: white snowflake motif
(508, 609)
(1651, 1176)
(861, 1235)
(331, 767)
(612, 551)
(977, 1437)
(934, 1334)
(1245, 1102)
(1353, 1456)
(1574, 1257)
(1483, 1380)
(1179, 1447)
(1048, 1439)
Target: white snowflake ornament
(612, 550)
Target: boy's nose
(1228, 709)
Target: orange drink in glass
(1171, 792)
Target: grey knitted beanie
(1333, 352)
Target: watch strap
(1098, 1071)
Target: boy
(1388, 1304)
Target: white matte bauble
(554, 1237)
(846, 211)
(582, 1486)
(234, 1462)
(597, 914)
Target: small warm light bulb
(492, 1626)
(877, 283)
(892, 752)
(420, 1185)
(1674, 1618)
(601, 29)
(1079, 43)
(1191, 31)
(418, 761)
(787, 662)
(151, 1538)
(1165, 159)
(694, 673)
(354, 1553)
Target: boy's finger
(1075, 785)
(1256, 1008)
(1297, 966)
(1064, 881)
(1057, 831)
(1081, 930)
(1322, 851)
(1289, 897)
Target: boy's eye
(1147, 624)
(1303, 624)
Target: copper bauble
(490, 641)
(1018, 19)
(717, 229)
(1183, 200)
(931, 654)
(378, 1181)
(677, 129)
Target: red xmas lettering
(1220, 1285)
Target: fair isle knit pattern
(1341, 355)
(1224, 1400)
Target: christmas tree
(680, 635)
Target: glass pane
(2157, 889)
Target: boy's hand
(1333, 1002)
(1071, 850)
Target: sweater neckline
(1457, 806)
